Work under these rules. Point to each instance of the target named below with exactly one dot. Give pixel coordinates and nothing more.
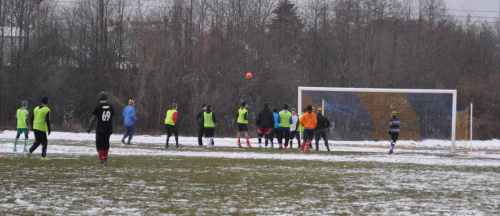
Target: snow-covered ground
(422, 178)
(429, 152)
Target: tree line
(193, 52)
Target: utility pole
(37, 21)
(101, 31)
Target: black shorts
(242, 127)
(394, 137)
(171, 129)
(209, 132)
(102, 140)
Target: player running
(105, 115)
(22, 124)
(40, 122)
(129, 119)
(394, 125)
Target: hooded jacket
(265, 118)
(129, 115)
(309, 120)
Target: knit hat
(24, 103)
(309, 108)
(45, 100)
(293, 109)
(131, 101)
(103, 96)
(243, 104)
(394, 113)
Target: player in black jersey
(105, 114)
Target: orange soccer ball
(249, 75)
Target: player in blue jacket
(129, 119)
(276, 126)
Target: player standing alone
(129, 119)
(105, 115)
(22, 124)
(171, 125)
(394, 125)
(242, 123)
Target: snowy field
(147, 179)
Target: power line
(147, 5)
(477, 11)
(480, 17)
(160, 1)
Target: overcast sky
(486, 5)
(478, 9)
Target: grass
(179, 185)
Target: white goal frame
(386, 90)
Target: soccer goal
(428, 116)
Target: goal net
(428, 117)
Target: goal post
(363, 114)
(464, 129)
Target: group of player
(284, 125)
(40, 122)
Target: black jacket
(323, 122)
(394, 125)
(199, 118)
(265, 118)
(105, 115)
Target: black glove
(49, 132)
